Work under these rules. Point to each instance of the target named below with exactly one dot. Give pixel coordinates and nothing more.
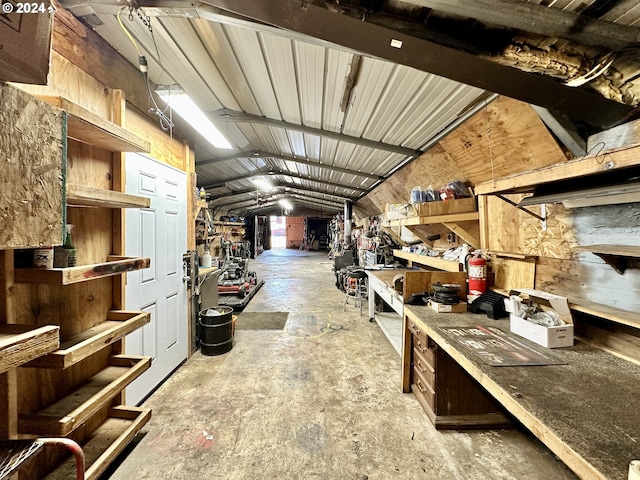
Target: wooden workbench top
(387, 275)
(586, 411)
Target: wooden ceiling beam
(533, 18)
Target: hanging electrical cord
(166, 121)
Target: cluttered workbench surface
(584, 407)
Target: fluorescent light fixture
(262, 183)
(286, 204)
(182, 104)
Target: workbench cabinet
(449, 396)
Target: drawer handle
(420, 367)
(420, 347)
(419, 385)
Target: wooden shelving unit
(106, 443)
(588, 165)
(450, 221)
(228, 224)
(118, 324)
(65, 415)
(67, 276)
(433, 262)
(83, 196)
(90, 360)
(87, 127)
(20, 344)
(420, 220)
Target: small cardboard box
(460, 307)
(458, 205)
(550, 337)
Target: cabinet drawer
(426, 347)
(416, 332)
(423, 389)
(426, 369)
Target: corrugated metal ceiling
(298, 88)
(267, 73)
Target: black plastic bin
(215, 331)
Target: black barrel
(215, 330)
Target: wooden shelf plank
(451, 218)
(525, 182)
(114, 265)
(118, 324)
(434, 262)
(88, 127)
(106, 442)
(615, 315)
(621, 250)
(228, 224)
(614, 255)
(62, 417)
(20, 344)
(80, 195)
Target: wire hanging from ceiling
(165, 120)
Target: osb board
(509, 229)
(32, 173)
(505, 138)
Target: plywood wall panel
(589, 282)
(165, 148)
(513, 274)
(506, 137)
(68, 81)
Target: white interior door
(158, 232)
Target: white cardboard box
(550, 337)
(460, 307)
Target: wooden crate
(459, 205)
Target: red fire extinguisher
(477, 277)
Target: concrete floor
(303, 404)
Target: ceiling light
(182, 104)
(286, 204)
(262, 183)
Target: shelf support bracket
(463, 234)
(526, 210)
(619, 263)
